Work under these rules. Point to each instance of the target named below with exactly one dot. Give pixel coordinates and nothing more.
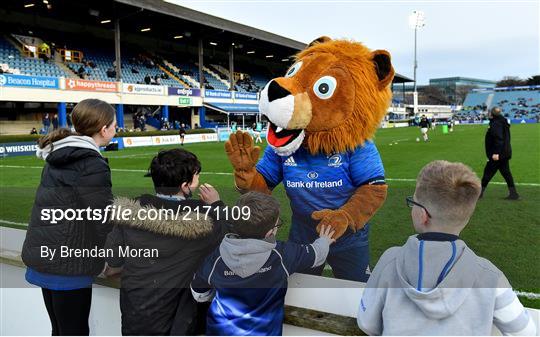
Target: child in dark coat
(160, 256)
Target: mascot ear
(321, 39)
(383, 66)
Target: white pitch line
(13, 223)
(230, 174)
(142, 154)
(131, 155)
(117, 170)
(493, 182)
(531, 296)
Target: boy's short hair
(263, 216)
(171, 168)
(449, 191)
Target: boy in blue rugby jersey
(248, 272)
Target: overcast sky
(481, 39)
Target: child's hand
(327, 232)
(208, 194)
(112, 271)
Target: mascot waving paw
(323, 114)
(243, 156)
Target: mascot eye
(324, 87)
(294, 69)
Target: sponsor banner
(165, 140)
(143, 89)
(217, 94)
(86, 85)
(474, 122)
(30, 148)
(169, 139)
(184, 92)
(523, 121)
(18, 149)
(224, 133)
(10, 80)
(245, 95)
(137, 141)
(201, 137)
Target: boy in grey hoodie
(248, 273)
(435, 284)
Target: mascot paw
(241, 152)
(359, 225)
(339, 220)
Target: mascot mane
(368, 92)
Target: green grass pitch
(505, 232)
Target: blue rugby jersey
(316, 182)
(253, 305)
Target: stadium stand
(98, 64)
(14, 62)
(215, 80)
(184, 73)
(516, 102)
(259, 81)
(216, 76)
(519, 104)
(135, 69)
(243, 84)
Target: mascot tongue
(276, 141)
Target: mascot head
(331, 99)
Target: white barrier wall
(23, 313)
(23, 308)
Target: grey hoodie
(247, 256)
(451, 291)
(73, 141)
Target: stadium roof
(214, 21)
(460, 78)
(158, 24)
(230, 26)
(152, 22)
(398, 78)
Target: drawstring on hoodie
(420, 265)
(446, 268)
(443, 273)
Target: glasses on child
(279, 222)
(411, 203)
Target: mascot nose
(276, 91)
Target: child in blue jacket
(248, 272)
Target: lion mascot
(322, 116)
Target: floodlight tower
(416, 21)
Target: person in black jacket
(75, 177)
(424, 127)
(55, 121)
(498, 152)
(155, 298)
